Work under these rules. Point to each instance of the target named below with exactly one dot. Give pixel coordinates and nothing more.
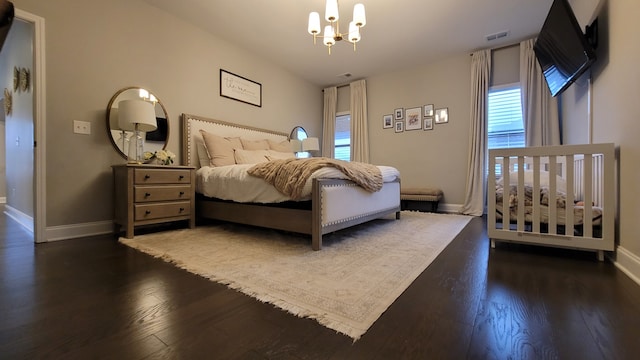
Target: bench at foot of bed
(420, 199)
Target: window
(343, 137)
(505, 126)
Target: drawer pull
(181, 209)
(147, 195)
(181, 177)
(181, 193)
(147, 212)
(147, 176)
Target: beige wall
(94, 48)
(616, 92)
(436, 157)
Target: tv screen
(562, 49)
(6, 19)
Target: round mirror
(153, 140)
(298, 133)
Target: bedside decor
(161, 157)
(139, 116)
(238, 88)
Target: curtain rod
(499, 47)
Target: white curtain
(475, 185)
(359, 131)
(329, 122)
(539, 108)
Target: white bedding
(232, 182)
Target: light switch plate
(81, 127)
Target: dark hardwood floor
(94, 298)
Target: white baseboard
(450, 208)
(21, 218)
(64, 232)
(628, 263)
(3, 200)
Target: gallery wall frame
(413, 119)
(442, 115)
(399, 113)
(428, 110)
(387, 121)
(428, 123)
(239, 88)
(399, 126)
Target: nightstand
(153, 194)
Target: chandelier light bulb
(331, 13)
(359, 17)
(354, 32)
(314, 23)
(329, 35)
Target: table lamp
(137, 116)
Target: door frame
(39, 125)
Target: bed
(331, 204)
(561, 196)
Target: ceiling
(398, 34)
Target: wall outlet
(81, 127)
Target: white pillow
(274, 155)
(203, 157)
(250, 156)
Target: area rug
(346, 286)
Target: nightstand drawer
(162, 210)
(162, 176)
(161, 193)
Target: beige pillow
(254, 144)
(274, 155)
(220, 149)
(250, 156)
(203, 157)
(283, 146)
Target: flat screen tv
(6, 19)
(562, 49)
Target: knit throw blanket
(290, 175)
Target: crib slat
(553, 210)
(521, 195)
(535, 213)
(587, 178)
(569, 218)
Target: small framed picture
(399, 114)
(413, 119)
(428, 110)
(428, 123)
(387, 121)
(442, 115)
(399, 126)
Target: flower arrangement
(164, 157)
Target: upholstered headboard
(192, 124)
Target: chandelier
(332, 32)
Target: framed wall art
(399, 126)
(428, 123)
(239, 88)
(442, 115)
(413, 119)
(428, 110)
(399, 114)
(387, 121)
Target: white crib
(562, 196)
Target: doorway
(24, 140)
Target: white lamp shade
(359, 17)
(132, 112)
(296, 145)
(354, 32)
(310, 144)
(329, 35)
(314, 23)
(331, 12)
